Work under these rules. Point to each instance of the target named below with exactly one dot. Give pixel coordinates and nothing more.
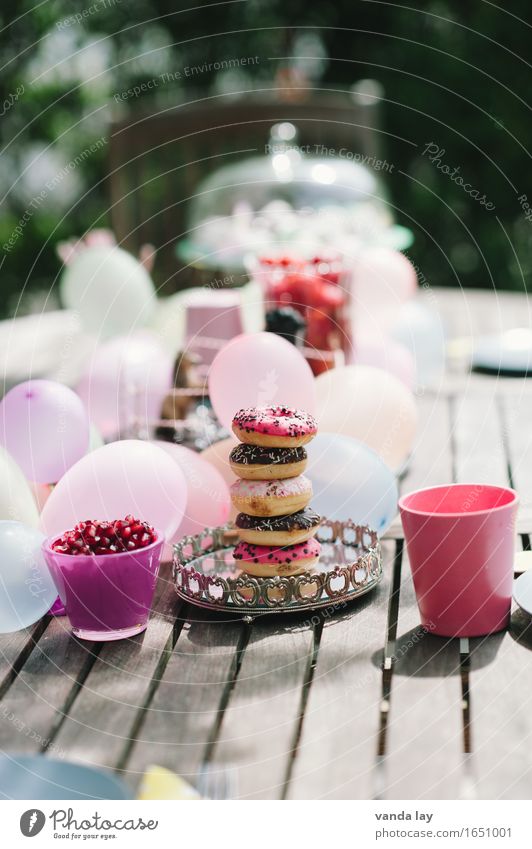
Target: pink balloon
(120, 478)
(217, 456)
(256, 370)
(45, 428)
(125, 383)
(386, 354)
(208, 501)
(383, 280)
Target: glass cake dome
(288, 172)
(301, 195)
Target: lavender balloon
(45, 427)
(126, 381)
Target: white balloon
(385, 353)
(95, 438)
(110, 289)
(420, 329)
(16, 498)
(27, 590)
(350, 481)
(371, 405)
(168, 322)
(44, 345)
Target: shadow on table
(521, 628)
(267, 624)
(421, 654)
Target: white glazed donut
(271, 497)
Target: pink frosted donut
(271, 497)
(265, 560)
(274, 427)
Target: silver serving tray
(205, 573)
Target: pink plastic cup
(107, 596)
(461, 542)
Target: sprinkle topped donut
(276, 427)
(246, 454)
(256, 462)
(278, 530)
(302, 520)
(264, 560)
(271, 497)
(275, 525)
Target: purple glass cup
(107, 596)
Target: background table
(359, 704)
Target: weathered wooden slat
(501, 695)
(14, 651)
(479, 447)
(516, 414)
(260, 722)
(103, 718)
(183, 717)
(469, 315)
(478, 312)
(501, 664)
(500, 764)
(423, 753)
(41, 694)
(454, 307)
(337, 749)
(430, 461)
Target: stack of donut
(276, 526)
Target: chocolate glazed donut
(278, 530)
(256, 462)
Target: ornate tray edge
(291, 599)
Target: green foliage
(453, 74)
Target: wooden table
(361, 704)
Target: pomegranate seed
(98, 537)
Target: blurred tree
(453, 76)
